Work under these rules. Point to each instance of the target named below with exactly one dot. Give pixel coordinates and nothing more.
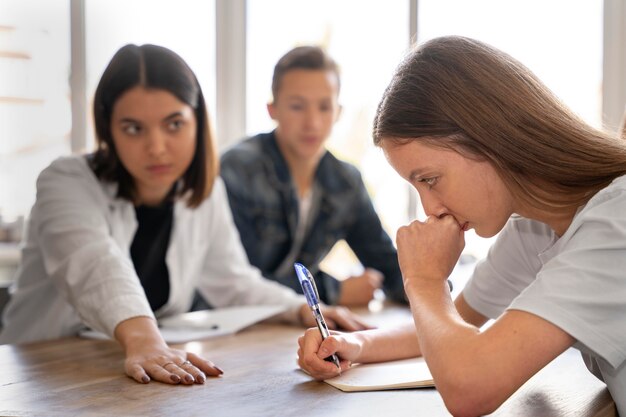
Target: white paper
(405, 373)
(206, 324)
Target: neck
(558, 220)
(151, 198)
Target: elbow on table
(470, 398)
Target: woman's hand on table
(165, 364)
(148, 356)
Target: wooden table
(76, 377)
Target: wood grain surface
(76, 377)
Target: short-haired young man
(292, 200)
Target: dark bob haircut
(152, 67)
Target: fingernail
(145, 379)
(324, 352)
(175, 378)
(201, 378)
(188, 378)
(220, 371)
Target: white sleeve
(230, 278)
(582, 286)
(79, 253)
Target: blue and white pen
(310, 292)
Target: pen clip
(312, 281)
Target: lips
(310, 140)
(160, 169)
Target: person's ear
(271, 110)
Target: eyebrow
(302, 98)
(417, 172)
(168, 117)
(173, 115)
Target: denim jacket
(264, 203)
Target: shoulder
(613, 194)
(605, 209)
(253, 166)
(71, 177)
(245, 152)
(67, 165)
(337, 174)
(332, 162)
(67, 172)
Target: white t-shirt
(577, 282)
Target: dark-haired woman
(137, 228)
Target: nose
(313, 117)
(156, 143)
(431, 204)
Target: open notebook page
(405, 373)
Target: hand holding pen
(310, 292)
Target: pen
(310, 292)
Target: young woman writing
(488, 147)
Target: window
(35, 112)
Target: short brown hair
(152, 66)
(303, 57)
(462, 94)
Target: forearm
(460, 363)
(381, 345)
(443, 334)
(138, 331)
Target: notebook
(206, 324)
(401, 374)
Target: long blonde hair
(462, 94)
